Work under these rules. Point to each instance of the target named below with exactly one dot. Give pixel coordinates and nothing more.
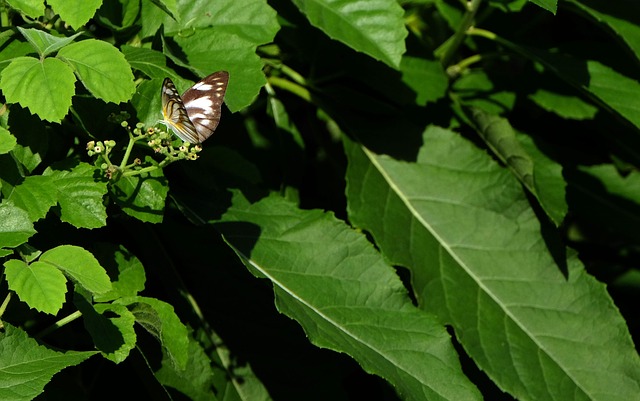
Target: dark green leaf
(27, 366)
(461, 224)
(332, 281)
(143, 196)
(374, 27)
(159, 319)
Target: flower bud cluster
(100, 147)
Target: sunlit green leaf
(253, 20)
(31, 8)
(75, 13)
(44, 87)
(80, 196)
(102, 69)
(36, 194)
(15, 225)
(7, 141)
(80, 265)
(231, 53)
(39, 285)
(44, 42)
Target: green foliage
(416, 200)
(28, 366)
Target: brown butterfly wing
(203, 103)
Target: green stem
(485, 34)
(288, 71)
(105, 156)
(130, 173)
(504, 42)
(3, 307)
(4, 15)
(127, 153)
(292, 87)
(65, 320)
(457, 39)
(456, 69)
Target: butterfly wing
(203, 103)
(175, 114)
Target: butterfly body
(194, 116)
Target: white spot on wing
(202, 86)
(203, 102)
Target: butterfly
(195, 115)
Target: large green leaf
(7, 141)
(374, 27)
(27, 366)
(331, 280)
(44, 87)
(111, 327)
(147, 102)
(75, 13)
(80, 265)
(15, 225)
(538, 325)
(210, 50)
(426, 77)
(159, 319)
(152, 62)
(254, 20)
(31, 8)
(39, 285)
(195, 380)
(126, 271)
(102, 69)
(36, 194)
(80, 196)
(143, 196)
